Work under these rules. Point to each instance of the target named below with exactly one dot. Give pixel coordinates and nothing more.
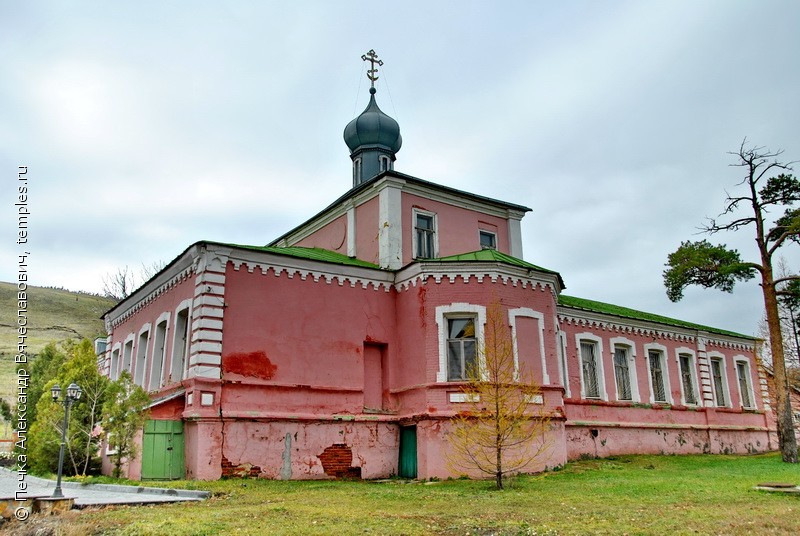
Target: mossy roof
(316, 254)
(624, 312)
(492, 255)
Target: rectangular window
(657, 376)
(180, 343)
(589, 365)
(488, 240)
(622, 373)
(687, 378)
(744, 384)
(113, 373)
(718, 378)
(141, 358)
(127, 356)
(157, 365)
(425, 234)
(461, 348)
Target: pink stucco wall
(285, 332)
(285, 450)
(332, 236)
(368, 230)
(457, 228)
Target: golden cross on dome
(372, 58)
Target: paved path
(97, 494)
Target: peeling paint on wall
(252, 364)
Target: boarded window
(589, 365)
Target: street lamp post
(73, 394)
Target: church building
(340, 348)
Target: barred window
(718, 379)
(744, 384)
(622, 373)
(591, 387)
(657, 376)
(687, 379)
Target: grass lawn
(622, 495)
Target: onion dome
(373, 129)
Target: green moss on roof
(624, 312)
(316, 254)
(491, 255)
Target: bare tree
(701, 263)
(118, 284)
(121, 283)
(504, 428)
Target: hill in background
(53, 315)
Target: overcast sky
(149, 125)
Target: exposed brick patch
(244, 470)
(336, 461)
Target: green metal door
(162, 451)
(408, 452)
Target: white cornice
(413, 274)
(316, 270)
(181, 269)
(462, 201)
(640, 327)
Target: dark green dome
(373, 128)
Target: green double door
(162, 451)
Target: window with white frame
(460, 328)
(113, 371)
(159, 353)
(357, 171)
(622, 372)
(745, 388)
(487, 239)
(658, 377)
(141, 356)
(180, 344)
(461, 348)
(688, 383)
(589, 369)
(718, 381)
(127, 354)
(424, 235)
(385, 163)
